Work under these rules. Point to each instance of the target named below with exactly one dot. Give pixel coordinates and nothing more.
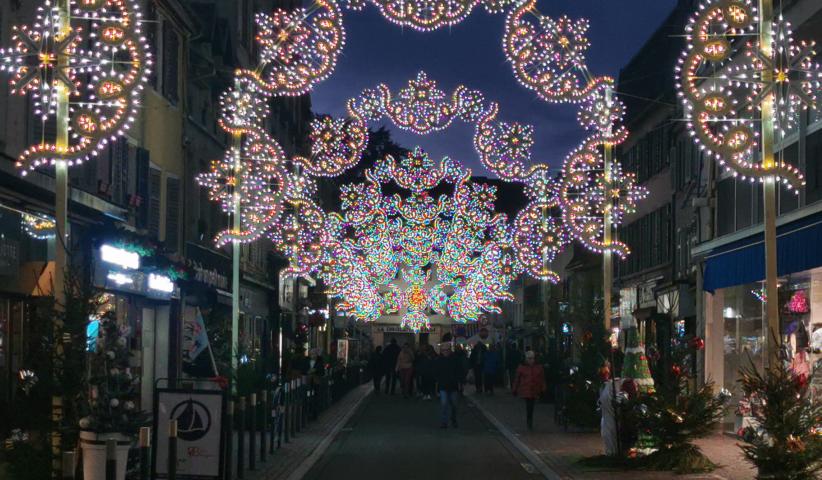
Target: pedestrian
(476, 358)
(490, 368)
(447, 373)
(513, 359)
(376, 367)
(529, 384)
(405, 368)
(462, 358)
(426, 372)
(389, 357)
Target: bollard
(284, 421)
(145, 453)
(274, 419)
(292, 408)
(240, 437)
(172, 450)
(299, 425)
(252, 432)
(264, 423)
(111, 459)
(69, 465)
(229, 440)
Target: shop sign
(199, 416)
(645, 295)
(392, 329)
(210, 277)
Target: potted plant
(109, 409)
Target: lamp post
(607, 223)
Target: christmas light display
(722, 101)
(40, 227)
(547, 55)
(102, 59)
(411, 253)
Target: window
(139, 201)
(172, 213)
(744, 207)
(813, 167)
(725, 192)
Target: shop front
(736, 327)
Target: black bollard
(284, 411)
(229, 440)
(69, 465)
(272, 420)
(240, 437)
(263, 423)
(145, 453)
(111, 459)
(252, 432)
(172, 450)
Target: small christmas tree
(786, 439)
(113, 391)
(635, 365)
(798, 303)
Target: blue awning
(798, 246)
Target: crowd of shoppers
(427, 374)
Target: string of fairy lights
(412, 254)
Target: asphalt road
(391, 438)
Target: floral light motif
(336, 145)
(298, 48)
(712, 101)
(428, 15)
(104, 71)
(547, 55)
(40, 227)
(586, 195)
(538, 237)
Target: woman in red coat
(529, 384)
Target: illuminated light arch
(105, 79)
(721, 107)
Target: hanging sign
(199, 415)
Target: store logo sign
(118, 256)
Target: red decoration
(798, 303)
(697, 343)
(604, 372)
(676, 370)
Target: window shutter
(139, 201)
(170, 62)
(154, 187)
(172, 213)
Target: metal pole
(240, 437)
(145, 451)
(60, 217)
(773, 336)
(252, 432)
(69, 465)
(172, 450)
(111, 459)
(229, 441)
(607, 224)
(236, 250)
(264, 424)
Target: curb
(306, 465)
(526, 451)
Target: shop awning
(799, 248)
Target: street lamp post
(774, 338)
(607, 224)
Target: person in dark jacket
(513, 359)
(448, 374)
(376, 367)
(490, 368)
(427, 371)
(476, 359)
(389, 357)
(462, 357)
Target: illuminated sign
(160, 283)
(120, 257)
(120, 279)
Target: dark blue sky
(470, 53)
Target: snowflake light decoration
(721, 107)
(547, 55)
(101, 58)
(428, 15)
(539, 235)
(37, 226)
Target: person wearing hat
(529, 385)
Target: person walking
(513, 359)
(448, 372)
(490, 368)
(376, 367)
(405, 368)
(426, 372)
(476, 359)
(389, 357)
(462, 358)
(529, 385)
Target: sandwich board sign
(199, 416)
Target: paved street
(399, 439)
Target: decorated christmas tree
(798, 303)
(635, 365)
(785, 440)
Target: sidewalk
(294, 458)
(561, 450)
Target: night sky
(470, 53)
